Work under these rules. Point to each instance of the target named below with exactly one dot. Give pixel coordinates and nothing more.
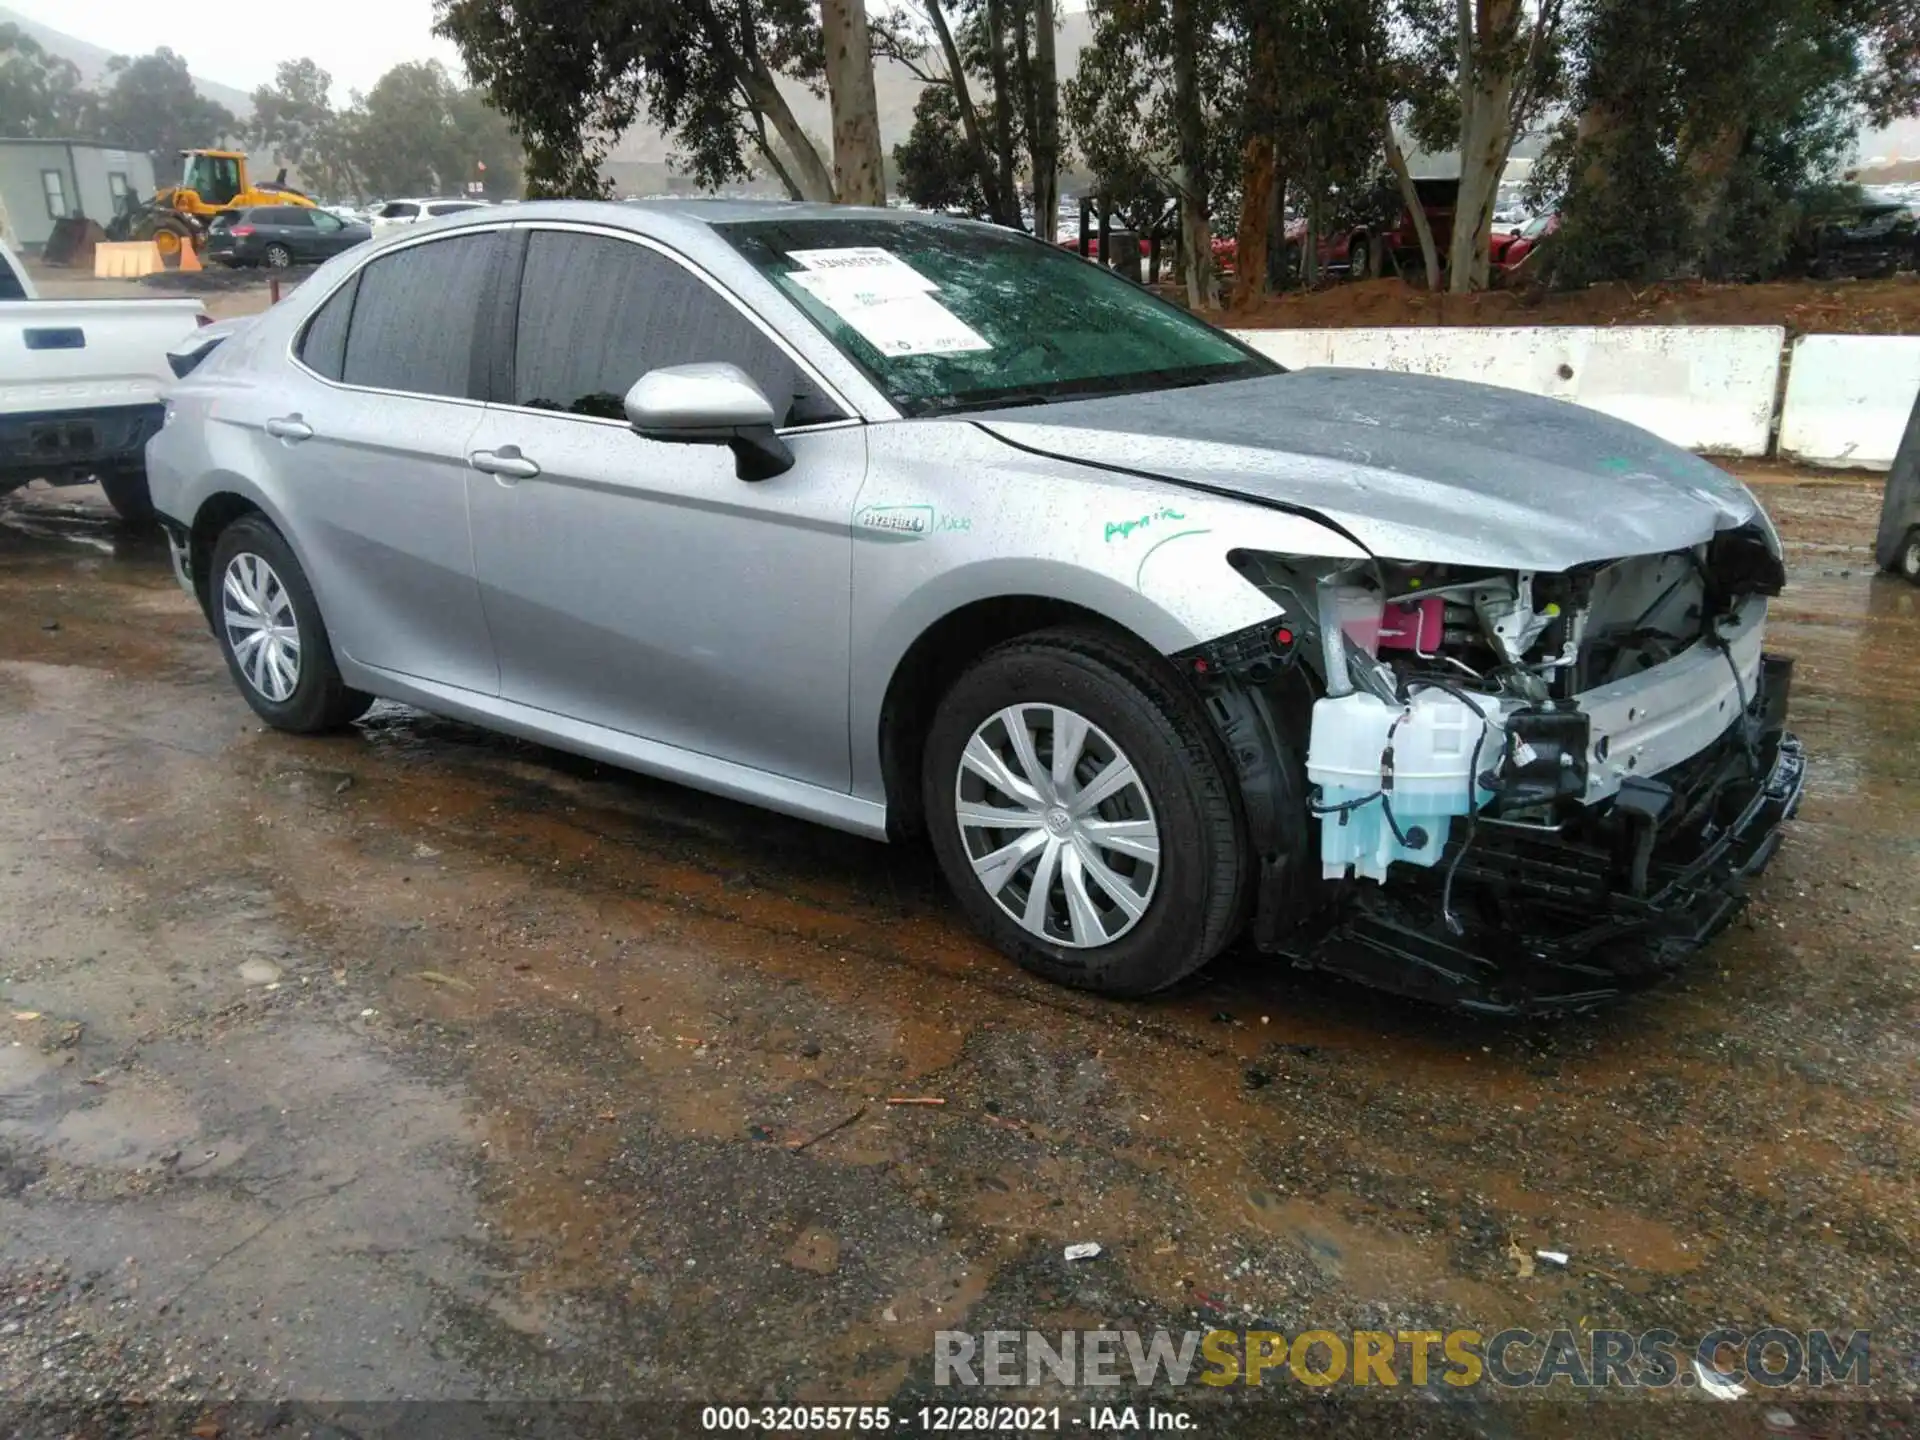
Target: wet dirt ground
(420, 1064)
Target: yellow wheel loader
(212, 182)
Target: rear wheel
(270, 631)
(1360, 259)
(279, 257)
(1909, 557)
(1081, 810)
(126, 491)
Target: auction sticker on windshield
(891, 306)
(879, 269)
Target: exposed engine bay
(1525, 790)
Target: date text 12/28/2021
(943, 1419)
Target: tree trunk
(770, 153)
(1488, 61)
(1004, 100)
(858, 173)
(1279, 270)
(1190, 124)
(1046, 126)
(1251, 274)
(1256, 217)
(808, 172)
(1707, 161)
(1422, 226)
(1310, 242)
(969, 117)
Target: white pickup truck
(80, 386)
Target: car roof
(691, 221)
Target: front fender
(951, 516)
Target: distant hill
(91, 60)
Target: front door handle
(507, 462)
(289, 427)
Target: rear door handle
(289, 427)
(507, 462)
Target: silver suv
(914, 526)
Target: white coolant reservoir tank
(1413, 761)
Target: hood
(1419, 468)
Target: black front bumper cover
(1564, 920)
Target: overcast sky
(356, 40)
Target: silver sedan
(920, 528)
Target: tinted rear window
(323, 348)
(416, 316)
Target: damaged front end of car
(1507, 791)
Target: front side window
(596, 313)
(948, 316)
(54, 184)
(416, 316)
(323, 222)
(399, 211)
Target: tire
(1180, 909)
(1360, 259)
(1907, 562)
(126, 492)
(169, 233)
(279, 257)
(318, 700)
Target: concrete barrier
(1848, 399)
(1709, 388)
(126, 260)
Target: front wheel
(1908, 561)
(1081, 810)
(271, 634)
(1360, 259)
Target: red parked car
(1376, 246)
(1509, 249)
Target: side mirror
(710, 404)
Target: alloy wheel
(279, 257)
(1058, 825)
(261, 627)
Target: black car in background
(1872, 237)
(281, 235)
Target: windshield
(948, 317)
(214, 178)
